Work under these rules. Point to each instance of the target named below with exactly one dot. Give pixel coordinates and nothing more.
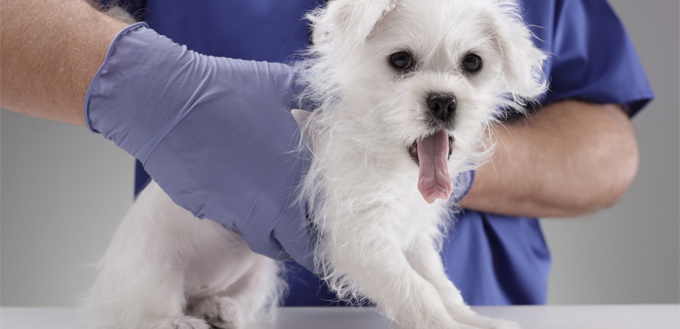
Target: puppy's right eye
(472, 63)
(401, 60)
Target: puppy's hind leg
(141, 280)
(182, 322)
(167, 311)
(254, 295)
(147, 302)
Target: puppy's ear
(522, 60)
(348, 21)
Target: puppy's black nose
(443, 105)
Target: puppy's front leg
(423, 256)
(379, 269)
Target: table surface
(529, 317)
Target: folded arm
(567, 159)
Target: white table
(530, 317)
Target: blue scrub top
(493, 259)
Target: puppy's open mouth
(413, 150)
(432, 153)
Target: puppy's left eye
(401, 60)
(472, 63)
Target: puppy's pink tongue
(434, 181)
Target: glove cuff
(109, 53)
(129, 100)
(462, 185)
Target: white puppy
(407, 90)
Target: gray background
(64, 191)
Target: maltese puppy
(407, 90)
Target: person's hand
(215, 133)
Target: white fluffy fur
(378, 238)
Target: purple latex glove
(462, 185)
(215, 133)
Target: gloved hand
(216, 134)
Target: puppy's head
(425, 77)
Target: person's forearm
(568, 159)
(49, 53)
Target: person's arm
(569, 158)
(49, 52)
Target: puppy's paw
(184, 322)
(503, 324)
(481, 322)
(467, 317)
(221, 312)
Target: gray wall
(64, 191)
